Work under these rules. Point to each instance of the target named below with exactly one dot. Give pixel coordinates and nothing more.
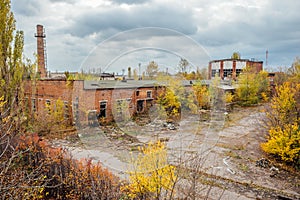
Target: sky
(112, 35)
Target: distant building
(231, 68)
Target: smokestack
(41, 50)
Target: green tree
(11, 56)
(263, 85)
(248, 88)
(12, 112)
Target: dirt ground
(228, 145)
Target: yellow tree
(284, 132)
(284, 143)
(202, 95)
(151, 176)
(283, 106)
(176, 97)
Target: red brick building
(110, 100)
(232, 67)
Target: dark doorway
(140, 106)
(102, 113)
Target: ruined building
(231, 68)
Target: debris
(226, 163)
(169, 125)
(263, 162)
(274, 171)
(230, 170)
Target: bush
(37, 171)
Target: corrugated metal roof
(112, 84)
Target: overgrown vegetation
(34, 170)
(283, 116)
(252, 87)
(151, 176)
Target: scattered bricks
(264, 163)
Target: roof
(231, 59)
(113, 84)
(129, 84)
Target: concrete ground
(227, 148)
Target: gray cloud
(63, 1)
(129, 2)
(75, 27)
(27, 7)
(166, 16)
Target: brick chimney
(41, 50)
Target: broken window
(149, 94)
(215, 72)
(103, 105)
(238, 71)
(227, 72)
(137, 93)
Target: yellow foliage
(284, 143)
(284, 131)
(228, 97)
(283, 105)
(151, 173)
(2, 102)
(248, 87)
(202, 95)
(264, 97)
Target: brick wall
(82, 101)
(48, 91)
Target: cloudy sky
(111, 35)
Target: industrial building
(108, 99)
(231, 68)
